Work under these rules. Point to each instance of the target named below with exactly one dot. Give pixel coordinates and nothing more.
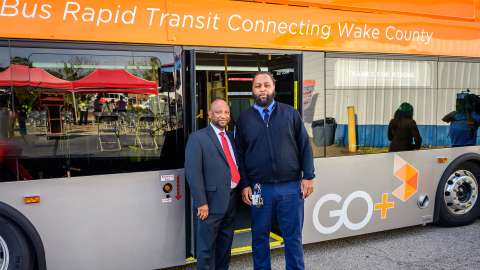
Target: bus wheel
(459, 204)
(15, 253)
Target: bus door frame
(190, 125)
(188, 54)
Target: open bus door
(210, 75)
(188, 78)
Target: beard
(218, 124)
(265, 102)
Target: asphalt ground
(419, 247)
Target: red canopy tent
(20, 75)
(100, 80)
(114, 81)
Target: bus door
(229, 75)
(191, 103)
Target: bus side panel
(121, 221)
(351, 191)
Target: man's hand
(306, 187)
(247, 195)
(203, 212)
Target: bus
(93, 182)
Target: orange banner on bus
(237, 24)
(455, 9)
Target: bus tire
(458, 193)
(15, 252)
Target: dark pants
(83, 117)
(284, 202)
(215, 237)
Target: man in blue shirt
(463, 129)
(464, 121)
(276, 168)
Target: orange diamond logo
(408, 175)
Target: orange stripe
(232, 24)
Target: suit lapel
(214, 138)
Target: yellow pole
(209, 93)
(352, 135)
(295, 95)
(75, 107)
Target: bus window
(458, 112)
(379, 105)
(96, 112)
(8, 134)
(320, 134)
(28, 148)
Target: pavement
(418, 247)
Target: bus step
(242, 241)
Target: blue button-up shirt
(260, 109)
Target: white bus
(105, 189)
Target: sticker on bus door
(167, 177)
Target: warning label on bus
(168, 177)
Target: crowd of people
(101, 105)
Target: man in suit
(212, 174)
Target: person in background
(97, 107)
(83, 106)
(464, 122)
(108, 106)
(403, 132)
(130, 107)
(22, 120)
(121, 105)
(97, 104)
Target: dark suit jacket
(207, 170)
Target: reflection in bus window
(91, 112)
(8, 150)
(459, 108)
(360, 99)
(464, 121)
(313, 106)
(403, 132)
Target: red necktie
(231, 163)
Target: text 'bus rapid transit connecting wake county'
(97, 99)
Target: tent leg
(75, 107)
